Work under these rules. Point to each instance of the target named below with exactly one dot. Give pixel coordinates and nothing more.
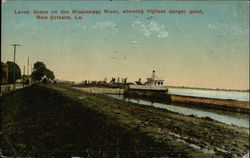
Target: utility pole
(28, 67)
(14, 69)
(31, 70)
(23, 75)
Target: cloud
(152, 28)
(107, 27)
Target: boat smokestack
(153, 75)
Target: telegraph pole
(28, 69)
(14, 69)
(31, 71)
(23, 75)
(28, 66)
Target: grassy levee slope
(38, 121)
(46, 121)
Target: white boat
(152, 84)
(153, 89)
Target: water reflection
(240, 122)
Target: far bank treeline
(39, 71)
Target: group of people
(123, 80)
(112, 81)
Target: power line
(14, 69)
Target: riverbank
(188, 101)
(56, 120)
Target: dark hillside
(39, 121)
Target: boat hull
(148, 92)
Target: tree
(11, 66)
(50, 74)
(40, 70)
(39, 65)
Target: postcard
(125, 79)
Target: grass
(51, 121)
(38, 121)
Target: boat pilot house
(153, 81)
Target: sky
(209, 50)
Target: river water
(230, 120)
(219, 94)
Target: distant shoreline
(215, 89)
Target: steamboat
(153, 88)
